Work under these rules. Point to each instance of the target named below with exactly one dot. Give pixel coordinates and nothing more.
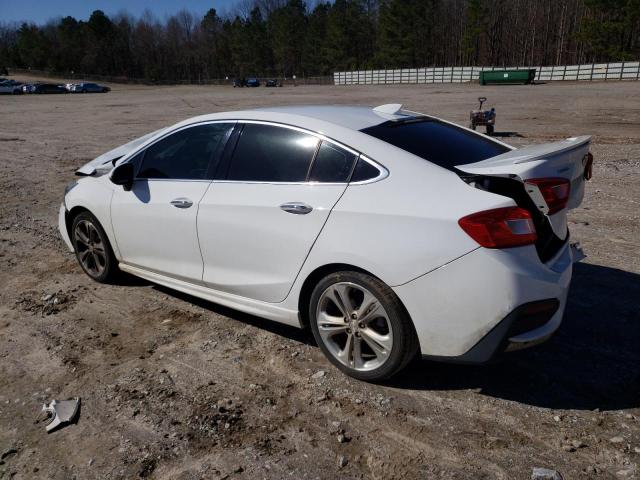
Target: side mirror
(123, 175)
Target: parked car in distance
(69, 86)
(89, 88)
(389, 233)
(253, 82)
(239, 82)
(11, 87)
(28, 88)
(272, 82)
(48, 88)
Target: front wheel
(92, 248)
(361, 326)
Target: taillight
(500, 227)
(555, 192)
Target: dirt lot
(176, 388)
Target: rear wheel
(92, 247)
(361, 326)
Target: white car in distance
(389, 233)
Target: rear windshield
(440, 143)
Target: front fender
(94, 194)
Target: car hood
(105, 162)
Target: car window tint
(364, 171)
(185, 154)
(267, 153)
(438, 142)
(332, 164)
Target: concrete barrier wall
(589, 72)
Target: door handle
(181, 202)
(298, 208)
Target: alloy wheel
(354, 326)
(90, 248)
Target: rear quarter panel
(403, 226)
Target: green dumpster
(488, 77)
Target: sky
(39, 11)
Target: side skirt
(247, 305)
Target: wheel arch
(73, 213)
(77, 210)
(318, 274)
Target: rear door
(553, 174)
(260, 218)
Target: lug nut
(361, 325)
(357, 334)
(354, 315)
(348, 330)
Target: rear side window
(332, 164)
(185, 155)
(364, 171)
(440, 143)
(267, 153)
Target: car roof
(348, 116)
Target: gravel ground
(176, 388)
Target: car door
(155, 221)
(265, 209)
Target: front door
(155, 222)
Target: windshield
(438, 142)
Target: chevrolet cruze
(388, 233)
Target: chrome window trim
(203, 180)
(383, 172)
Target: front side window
(186, 154)
(332, 164)
(267, 153)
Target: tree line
(289, 37)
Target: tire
(92, 248)
(366, 344)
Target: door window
(186, 154)
(364, 171)
(267, 153)
(332, 164)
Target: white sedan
(389, 233)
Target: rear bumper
(62, 227)
(511, 333)
(487, 302)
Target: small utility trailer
(482, 117)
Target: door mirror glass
(123, 175)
